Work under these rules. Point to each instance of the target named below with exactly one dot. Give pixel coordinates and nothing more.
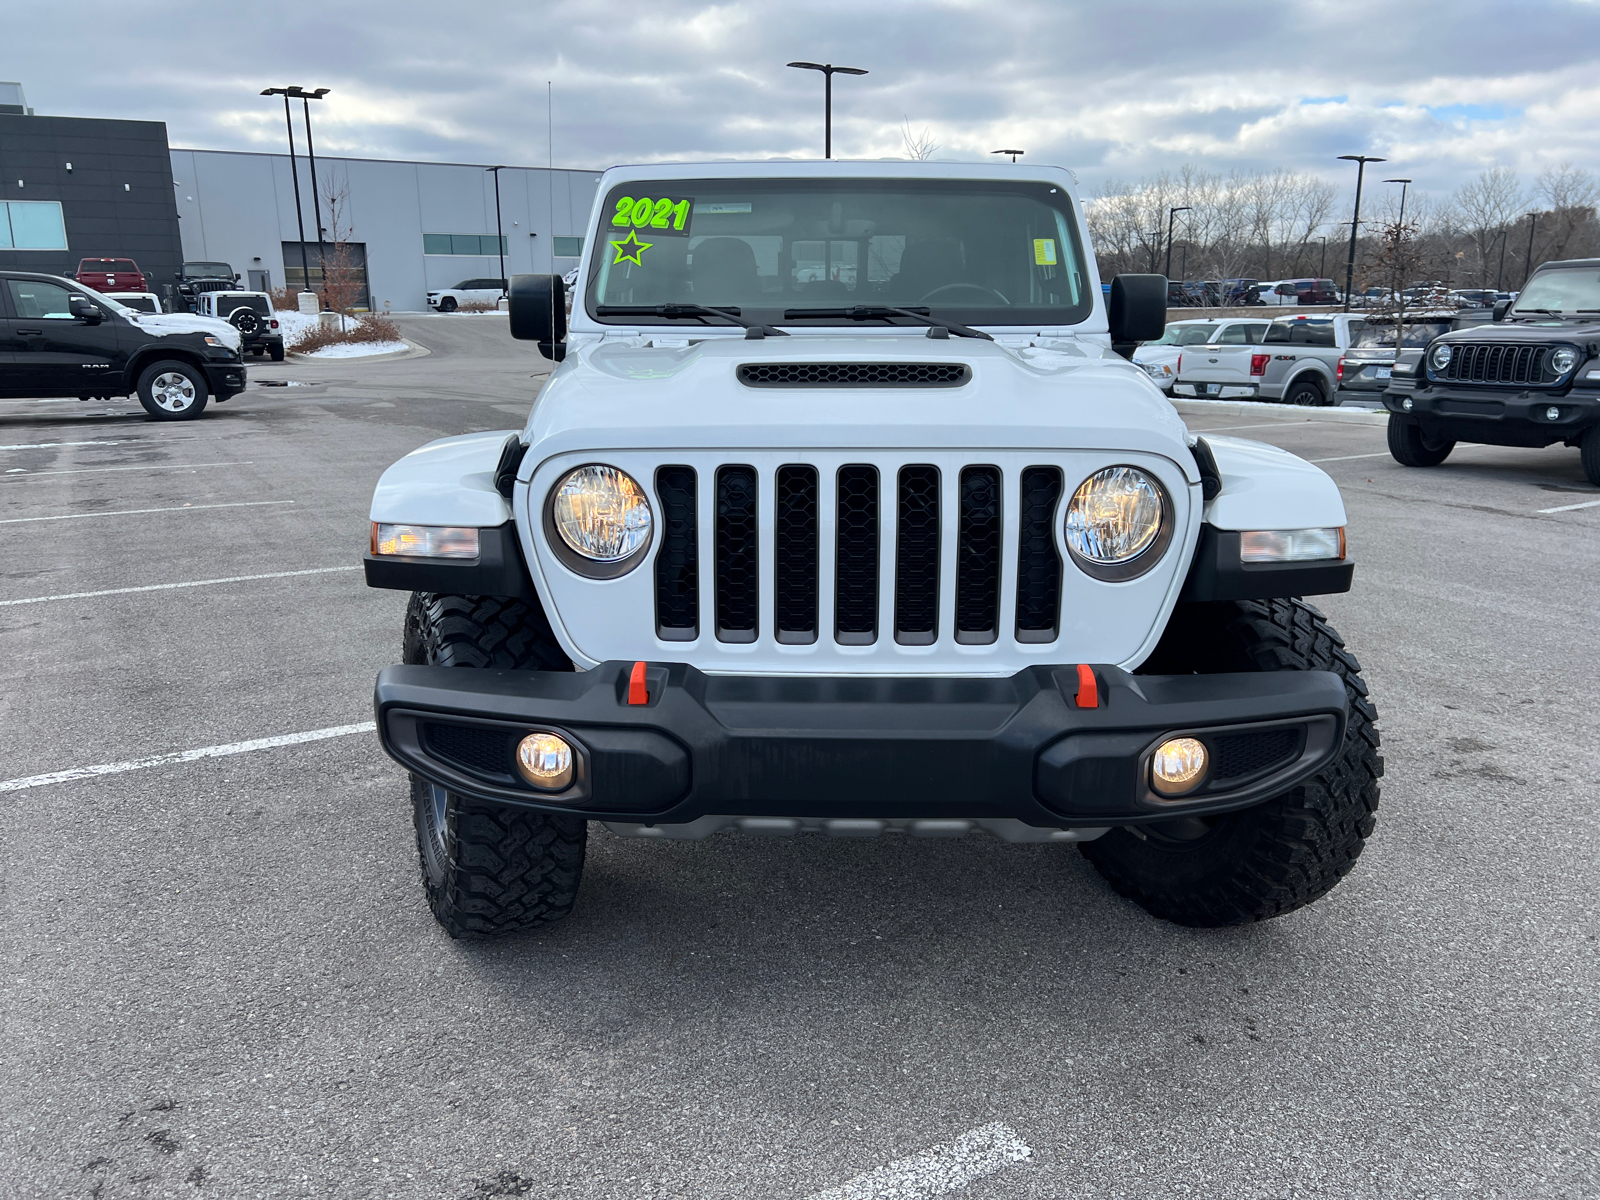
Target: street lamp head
(1181, 208)
(1399, 181)
(808, 66)
(848, 71)
(827, 68)
(1360, 158)
(1013, 153)
(320, 93)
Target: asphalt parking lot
(220, 976)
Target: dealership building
(87, 188)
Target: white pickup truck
(1159, 359)
(1296, 363)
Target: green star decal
(624, 255)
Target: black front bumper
(895, 748)
(1494, 416)
(225, 378)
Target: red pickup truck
(111, 275)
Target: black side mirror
(86, 310)
(1138, 311)
(1501, 307)
(538, 305)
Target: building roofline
(402, 162)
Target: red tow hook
(637, 693)
(1088, 689)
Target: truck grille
(910, 511)
(1499, 364)
(853, 374)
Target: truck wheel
(1589, 448)
(172, 391)
(489, 869)
(1307, 394)
(448, 304)
(277, 352)
(1276, 856)
(1410, 449)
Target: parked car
(1311, 291)
(881, 573)
(1296, 363)
(1372, 297)
(251, 314)
(145, 302)
(1159, 358)
(197, 278)
(1191, 293)
(59, 338)
(1368, 365)
(468, 291)
(1239, 291)
(1529, 377)
(111, 275)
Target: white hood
(162, 324)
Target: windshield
(1185, 335)
(208, 269)
(1561, 291)
(971, 251)
(1418, 333)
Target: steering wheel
(245, 321)
(966, 287)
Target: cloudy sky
(1114, 90)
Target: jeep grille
(859, 374)
(1491, 363)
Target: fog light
(1552, 413)
(1406, 404)
(545, 761)
(1178, 766)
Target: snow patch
(357, 350)
(162, 324)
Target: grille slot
(861, 374)
(1038, 562)
(738, 589)
(1496, 363)
(678, 562)
(978, 557)
(795, 569)
(481, 751)
(855, 605)
(1241, 754)
(916, 571)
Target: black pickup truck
(1529, 378)
(58, 338)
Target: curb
(1279, 412)
(412, 350)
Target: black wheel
(1307, 393)
(1410, 448)
(448, 304)
(489, 869)
(1589, 448)
(276, 351)
(1279, 855)
(173, 391)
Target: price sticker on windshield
(666, 216)
(1044, 252)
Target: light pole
(1324, 269)
(499, 229)
(1399, 263)
(1361, 161)
(1404, 184)
(1172, 212)
(1155, 240)
(311, 155)
(1013, 153)
(1500, 275)
(294, 173)
(828, 72)
(1527, 267)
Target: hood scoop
(854, 375)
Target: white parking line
(1572, 507)
(53, 445)
(1348, 457)
(163, 467)
(936, 1171)
(164, 587)
(130, 512)
(184, 756)
(1287, 422)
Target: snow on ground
(357, 350)
(293, 324)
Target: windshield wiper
(702, 311)
(881, 312)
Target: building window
(569, 247)
(474, 244)
(347, 267)
(32, 225)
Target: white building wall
(239, 208)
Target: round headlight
(1562, 360)
(601, 514)
(1117, 516)
(1439, 357)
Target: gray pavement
(218, 977)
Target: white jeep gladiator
(845, 513)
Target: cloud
(1111, 90)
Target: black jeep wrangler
(1530, 378)
(197, 278)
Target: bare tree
(1486, 206)
(919, 146)
(1571, 195)
(341, 277)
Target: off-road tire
(1589, 450)
(447, 305)
(1307, 393)
(154, 385)
(1277, 856)
(489, 869)
(276, 352)
(1409, 449)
